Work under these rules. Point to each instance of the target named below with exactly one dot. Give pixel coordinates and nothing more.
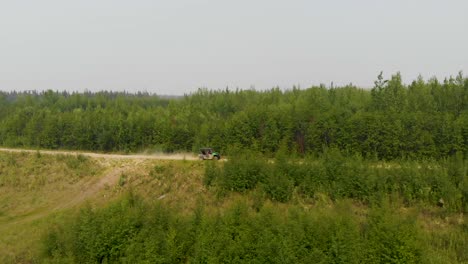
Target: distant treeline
(392, 120)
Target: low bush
(243, 172)
(392, 238)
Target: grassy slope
(36, 188)
(31, 187)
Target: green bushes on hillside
(338, 176)
(131, 231)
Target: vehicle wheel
(217, 157)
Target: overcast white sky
(175, 47)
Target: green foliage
(132, 231)
(448, 246)
(392, 121)
(406, 144)
(341, 176)
(96, 236)
(392, 238)
(212, 172)
(243, 172)
(278, 187)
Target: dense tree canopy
(392, 120)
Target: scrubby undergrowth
(133, 231)
(332, 208)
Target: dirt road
(156, 156)
(24, 220)
(91, 186)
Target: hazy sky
(175, 47)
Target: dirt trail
(90, 188)
(83, 191)
(157, 156)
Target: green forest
(316, 175)
(425, 119)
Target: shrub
(243, 173)
(101, 235)
(278, 187)
(392, 238)
(212, 173)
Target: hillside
(36, 187)
(130, 210)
